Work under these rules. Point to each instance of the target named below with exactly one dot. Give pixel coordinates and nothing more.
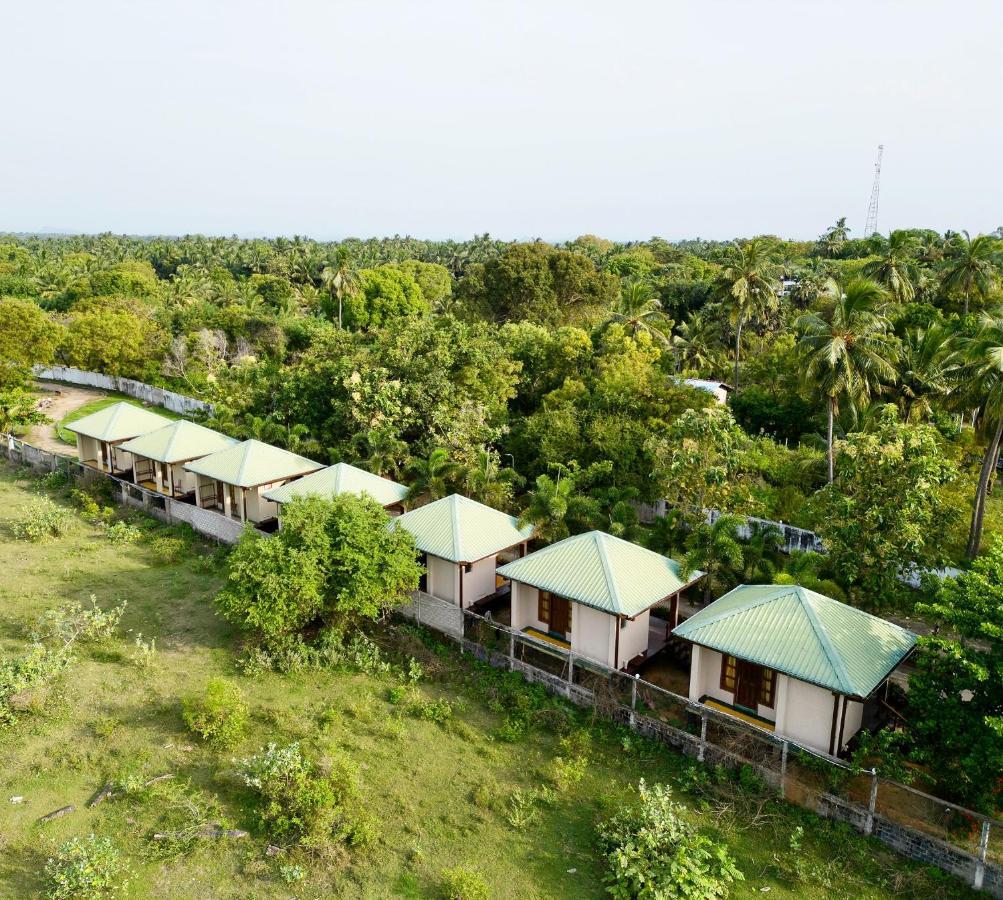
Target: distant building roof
(118, 422)
(803, 634)
(339, 479)
(178, 442)
(462, 530)
(711, 386)
(601, 571)
(252, 463)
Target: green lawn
(68, 437)
(439, 793)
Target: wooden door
(560, 615)
(750, 679)
(219, 494)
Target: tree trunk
(978, 512)
(339, 311)
(738, 350)
(966, 303)
(828, 441)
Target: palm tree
(716, 550)
(751, 281)
(846, 348)
(487, 482)
(896, 267)
(341, 280)
(547, 507)
(972, 266)
(980, 380)
(380, 451)
(434, 477)
(924, 369)
(830, 243)
(758, 554)
(697, 344)
(639, 310)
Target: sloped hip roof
(118, 422)
(178, 442)
(252, 463)
(340, 478)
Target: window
(729, 668)
(467, 568)
(543, 607)
(767, 688)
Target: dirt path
(63, 399)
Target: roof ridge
(244, 454)
(614, 592)
(835, 660)
(454, 516)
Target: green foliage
(956, 690)
(461, 883)
(40, 520)
(27, 337)
(75, 622)
(110, 337)
(18, 410)
(300, 800)
(88, 867)
(219, 715)
(650, 851)
(884, 512)
(385, 294)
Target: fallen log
(107, 791)
(58, 813)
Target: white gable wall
(443, 579)
(479, 581)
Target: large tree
(884, 512)
(845, 347)
(895, 267)
(972, 266)
(956, 690)
(750, 283)
(27, 337)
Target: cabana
(159, 456)
(234, 481)
(792, 661)
(101, 434)
(592, 594)
(342, 478)
(460, 542)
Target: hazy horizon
(448, 119)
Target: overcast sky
(712, 118)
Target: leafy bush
(123, 533)
(651, 852)
(301, 800)
(40, 520)
(460, 883)
(169, 549)
(89, 507)
(73, 621)
(219, 715)
(86, 867)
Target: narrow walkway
(58, 405)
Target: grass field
(441, 794)
(68, 437)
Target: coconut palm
(487, 482)
(639, 310)
(924, 369)
(341, 279)
(697, 344)
(979, 377)
(760, 551)
(846, 348)
(896, 268)
(972, 267)
(380, 451)
(547, 507)
(715, 548)
(750, 283)
(432, 478)
(830, 243)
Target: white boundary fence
(206, 522)
(913, 823)
(156, 396)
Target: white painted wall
(479, 581)
(525, 605)
(443, 578)
(806, 714)
(633, 637)
(592, 633)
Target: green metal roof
(341, 478)
(803, 634)
(118, 422)
(462, 530)
(178, 442)
(601, 571)
(252, 463)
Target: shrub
(169, 549)
(73, 621)
(123, 533)
(89, 507)
(40, 520)
(86, 867)
(460, 883)
(219, 715)
(300, 800)
(651, 851)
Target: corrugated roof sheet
(118, 422)
(804, 634)
(462, 530)
(252, 463)
(601, 571)
(178, 442)
(339, 479)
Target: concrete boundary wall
(146, 393)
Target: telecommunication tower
(872, 207)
